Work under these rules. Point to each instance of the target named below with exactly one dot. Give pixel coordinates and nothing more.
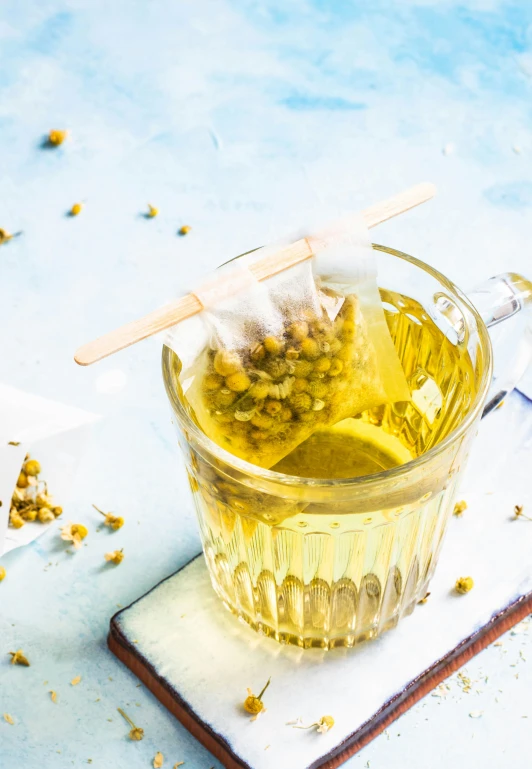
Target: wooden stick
(280, 260)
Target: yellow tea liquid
(327, 573)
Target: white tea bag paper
(291, 354)
(54, 434)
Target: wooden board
(131, 655)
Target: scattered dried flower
(13, 443)
(184, 230)
(117, 556)
(158, 760)
(32, 467)
(75, 533)
(53, 696)
(2, 573)
(179, 763)
(152, 211)
(76, 209)
(4, 238)
(75, 681)
(56, 137)
(255, 705)
(8, 718)
(425, 598)
(518, 512)
(464, 585)
(323, 725)
(136, 732)
(115, 522)
(18, 658)
(460, 507)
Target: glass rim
(272, 476)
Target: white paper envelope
(54, 434)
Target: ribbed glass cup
(325, 563)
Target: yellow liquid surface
(326, 574)
(350, 449)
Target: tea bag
(292, 354)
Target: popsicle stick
(285, 257)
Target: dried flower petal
(18, 658)
(56, 137)
(75, 681)
(158, 760)
(254, 705)
(152, 211)
(115, 522)
(32, 467)
(8, 718)
(322, 726)
(460, 507)
(4, 237)
(518, 512)
(136, 733)
(184, 230)
(117, 556)
(2, 573)
(75, 533)
(325, 723)
(464, 585)
(53, 696)
(76, 209)
(179, 763)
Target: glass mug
(332, 562)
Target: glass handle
(498, 299)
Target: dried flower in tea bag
(296, 353)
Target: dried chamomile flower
(22, 480)
(158, 760)
(518, 512)
(32, 467)
(117, 556)
(152, 211)
(324, 724)
(4, 236)
(75, 533)
(460, 507)
(45, 515)
(255, 705)
(184, 230)
(136, 733)
(464, 585)
(16, 520)
(9, 719)
(2, 573)
(75, 681)
(56, 137)
(18, 658)
(76, 209)
(53, 695)
(114, 522)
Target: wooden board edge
(390, 711)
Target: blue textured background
(237, 118)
